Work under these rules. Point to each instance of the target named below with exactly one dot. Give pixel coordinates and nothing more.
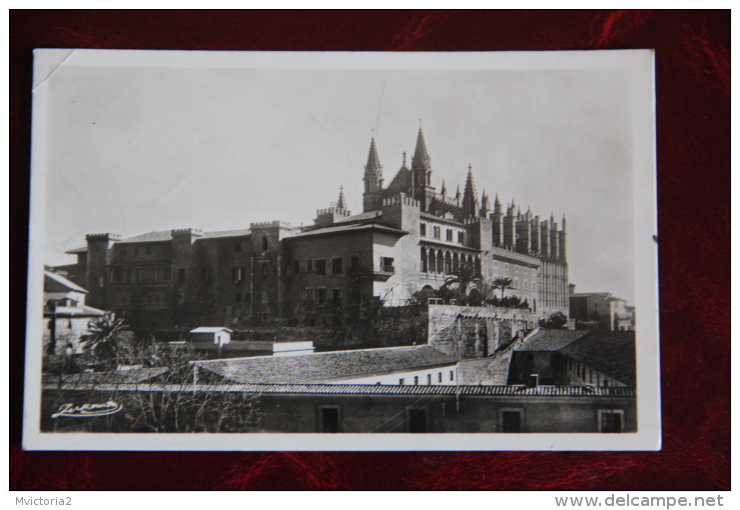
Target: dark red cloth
(693, 93)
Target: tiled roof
(367, 389)
(227, 233)
(361, 217)
(550, 340)
(133, 376)
(326, 366)
(61, 280)
(149, 237)
(610, 352)
(350, 228)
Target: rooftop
(366, 389)
(345, 229)
(64, 282)
(609, 352)
(326, 366)
(551, 340)
(149, 237)
(211, 329)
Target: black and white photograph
(342, 251)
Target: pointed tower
(563, 247)
(372, 197)
(341, 204)
(421, 173)
(497, 223)
(470, 205)
(457, 196)
(443, 191)
(485, 205)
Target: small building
(576, 358)
(215, 335)
(66, 315)
(601, 308)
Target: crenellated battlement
(475, 221)
(269, 224)
(103, 237)
(186, 232)
(401, 198)
(334, 210)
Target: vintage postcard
(343, 251)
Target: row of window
(318, 266)
(510, 420)
(516, 268)
(137, 275)
(437, 233)
(319, 296)
(402, 381)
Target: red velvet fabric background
(693, 93)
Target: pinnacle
(373, 161)
(421, 156)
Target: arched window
(423, 260)
(432, 262)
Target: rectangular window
(401, 382)
(423, 229)
(336, 266)
(321, 267)
(417, 420)
(208, 275)
(237, 274)
(309, 266)
(264, 243)
(610, 421)
(439, 377)
(437, 232)
(328, 419)
(416, 380)
(336, 297)
(511, 420)
(461, 237)
(449, 234)
(429, 379)
(452, 375)
(321, 296)
(386, 264)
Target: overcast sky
(136, 149)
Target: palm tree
(462, 277)
(503, 284)
(105, 334)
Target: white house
(216, 335)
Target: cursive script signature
(86, 410)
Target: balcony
(380, 273)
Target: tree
(110, 339)
(503, 283)
(456, 285)
(557, 320)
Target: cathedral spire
(421, 157)
(371, 198)
(443, 191)
(470, 205)
(340, 203)
(373, 161)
